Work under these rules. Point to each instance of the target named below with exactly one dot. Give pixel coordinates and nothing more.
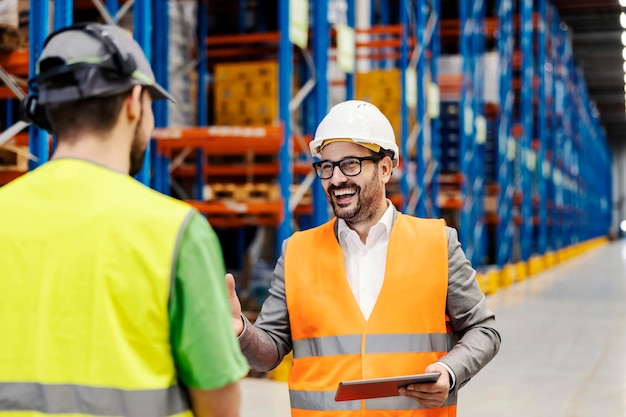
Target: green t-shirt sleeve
(205, 349)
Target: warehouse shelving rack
(563, 192)
(564, 148)
(471, 228)
(552, 28)
(39, 15)
(468, 33)
(314, 90)
(435, 121)
(13, 64)
(392, 40)
(205, 139)
(426, 33)
(559, 37)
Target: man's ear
(133, 103)
(386, 168)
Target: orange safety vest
(333, 342)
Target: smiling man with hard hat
(373, 293)
(112, 296)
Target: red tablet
(380, 387)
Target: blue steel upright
(421, 12)
(112, 6)
(320, 45)
(202, 115)
(142, 24)
(160, 57)
(506, 40)
(551, 28)
(558, 125)
(351, 23)
(63, 13)
(160, 60)
(542, 131)
(477, 177)
(564, 147)
(435, 122)
(526, 119)
(408, 175)
(37, 32)
(285, 176)
(467, 131)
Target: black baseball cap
(104, 60)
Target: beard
(137, 150)
(366, 204)
(137, 157)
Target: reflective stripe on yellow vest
(333, 342)
(84, 294)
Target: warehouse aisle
(563, 347)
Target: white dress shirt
(365, 263)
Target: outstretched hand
(235, 304)
(432, 394)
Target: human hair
(93, 115)
(383, 153)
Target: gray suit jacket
(269, 340)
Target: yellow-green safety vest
(87, 257)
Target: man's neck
(363, 228)
(105, 151)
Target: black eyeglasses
(350, 166)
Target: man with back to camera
(373, 293)
(112, 298)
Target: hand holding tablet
(380, 387)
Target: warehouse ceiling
(596, 34)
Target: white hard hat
(360, 121)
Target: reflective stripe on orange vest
(374, 343)
(333, 342)
(325, 401)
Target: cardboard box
(9, 13)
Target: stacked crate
(382, 89)
(246, 93)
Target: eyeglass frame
(317, 164)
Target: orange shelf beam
(237, 214)
(8, 176)
(7, 93)
(15, 62)
(380, 30)
(254, 169)
(244, 38)
(223, 140)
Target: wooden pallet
(14, 158)
(241, 192)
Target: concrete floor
(563, 347)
